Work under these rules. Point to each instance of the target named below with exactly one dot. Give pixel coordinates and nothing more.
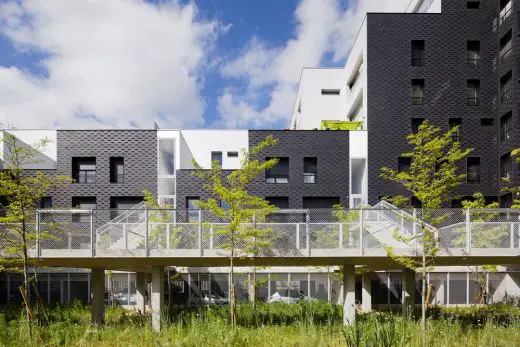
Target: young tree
(432, 176)
(510, 187)
(242, 237)
(23, 190)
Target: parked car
(208, 299)
(289, 296)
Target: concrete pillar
(366, 292)
(140, 291)
(157, 296)
(408, 296)
(349, 294)
(98, 295)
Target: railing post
(361, 227)
(92, 236)
(211, 236)
(125, 235)
(37, 233)
(468, 231)
(307, 233)
(146, 226)
(200, 232)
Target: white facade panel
(46, 160)
(198, 145)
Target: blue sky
(200, 63)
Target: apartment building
(454, 65)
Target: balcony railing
(473, 61)
(505, 134)
(505, 53)
(309, 177)
(505, 13)
(277, 179)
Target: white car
(289, 296)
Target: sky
(180, 63)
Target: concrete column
(408, 295)
(140, 291)
(366, 292)
(98, 295)
(349, 294)
(157, 296)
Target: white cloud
(126, 62)
(322, 27)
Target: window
(472, 93)
(473, 55)
(279, 173)
(403, 164)
(45, 202)
(417, 52)
(506, 200)
(83, 203)
(117, 170)
(192, 206)
(415, 202)
(216, 156)
(416, 122)
(417, 91)
(166, 157)
(232, 154)
(506, 124)
(330, 92)
(278, 201)
(486, 122)
(84, 169)
(506, 85)
(121, 203)
(506, 46)
(473, 170)
(473, 4)
(455, 122)
(315, 202)
(310, 169)
(505, 10)
(505, 166)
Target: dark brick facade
(445, 73)
(137, 147)
(330, 148)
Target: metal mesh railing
(317, 232)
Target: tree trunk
(423, 287)
(233, 301)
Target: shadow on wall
(40, 160)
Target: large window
(279, 173)
(417, 91)
(117, 170)
(216, 157)
(166, 157)
(473, 170)
(506, 166)
(506, 125)
(310, 169)
(83, 203)
(506, 45)
(417, 52)
(473, 92)
(455, 122)
(473, 54)
(506, 85)
(84, 169)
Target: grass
(312, 324)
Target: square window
(486, 122)
(84, 169)
(403, 164)
(279, 173)
(473, 4)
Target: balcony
(309, 177)
(277, 179)
(505, 13)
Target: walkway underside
(376, 262)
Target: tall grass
(308, 324)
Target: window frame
(472, 88)
(310, 175)
(274, 178)
(418, 86)
(476, 166)
(115, 164)
(417, 52)
(506, 131)
(221, 161)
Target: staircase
(126, 231)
